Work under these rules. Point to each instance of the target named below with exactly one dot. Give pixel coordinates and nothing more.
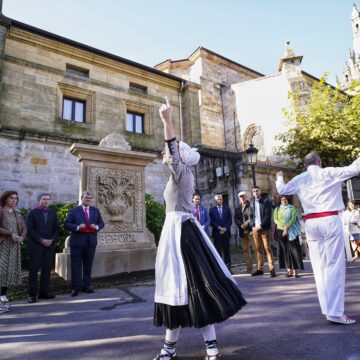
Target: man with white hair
(221, 220)
(319, 190)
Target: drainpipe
(180, 111)
(237, 234)
(223, 112)
(235, 138)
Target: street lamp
(251, 153)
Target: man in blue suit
(84, 222)
(221, 220)
(201, 213)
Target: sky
(250, 32)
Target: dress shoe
(46, 297)
(88, 290)
(74, 293)
(257, 272)
(272, 273)
(31, 299)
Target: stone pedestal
(115, 176)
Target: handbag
(2, 237)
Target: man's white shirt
(319, 189)
(257, 213)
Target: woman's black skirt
(289, 252)
(212, 297)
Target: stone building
(238, 107)
(351, 70)
(55, 91)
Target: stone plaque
(119, 196)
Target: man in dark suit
(43, 228)
(221, 220)
(84, 221)
(201, 213)
(260, 222)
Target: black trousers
(42, 257)
(222, 245)
(289, 252)
(81, 264)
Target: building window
(138, 88)
(74, 110)
(76, 70)
(135, 122)
(76, 104)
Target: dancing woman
(194, 288)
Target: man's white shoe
(341, 320)
(4, 299)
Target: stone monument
(115, 175)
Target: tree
(327, 122)
(155, 216)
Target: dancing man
(319, 190)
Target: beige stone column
(115, 176)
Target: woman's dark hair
(7, 194)
(350, 202)
(286, 197)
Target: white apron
(170, 276)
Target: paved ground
(281, 321)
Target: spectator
(43, 228)
(260, 222)
(354, 228)
(242, 219)
(303, 242)
(288, 230)
(12, 235)
(201, 213)
(221, 220)
(84, 221)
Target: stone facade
(32, 167)
(225, 131)
(34, 136)
(351, 69)
(214, 74)
(260, 104)
(39, 70)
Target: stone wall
(217, 108)
(31, 167)
(34, 137)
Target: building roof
(219, 153)
(88, 48)
(194, 55)
(306, 74)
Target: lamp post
(251, 153)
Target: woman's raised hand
(165, 112)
